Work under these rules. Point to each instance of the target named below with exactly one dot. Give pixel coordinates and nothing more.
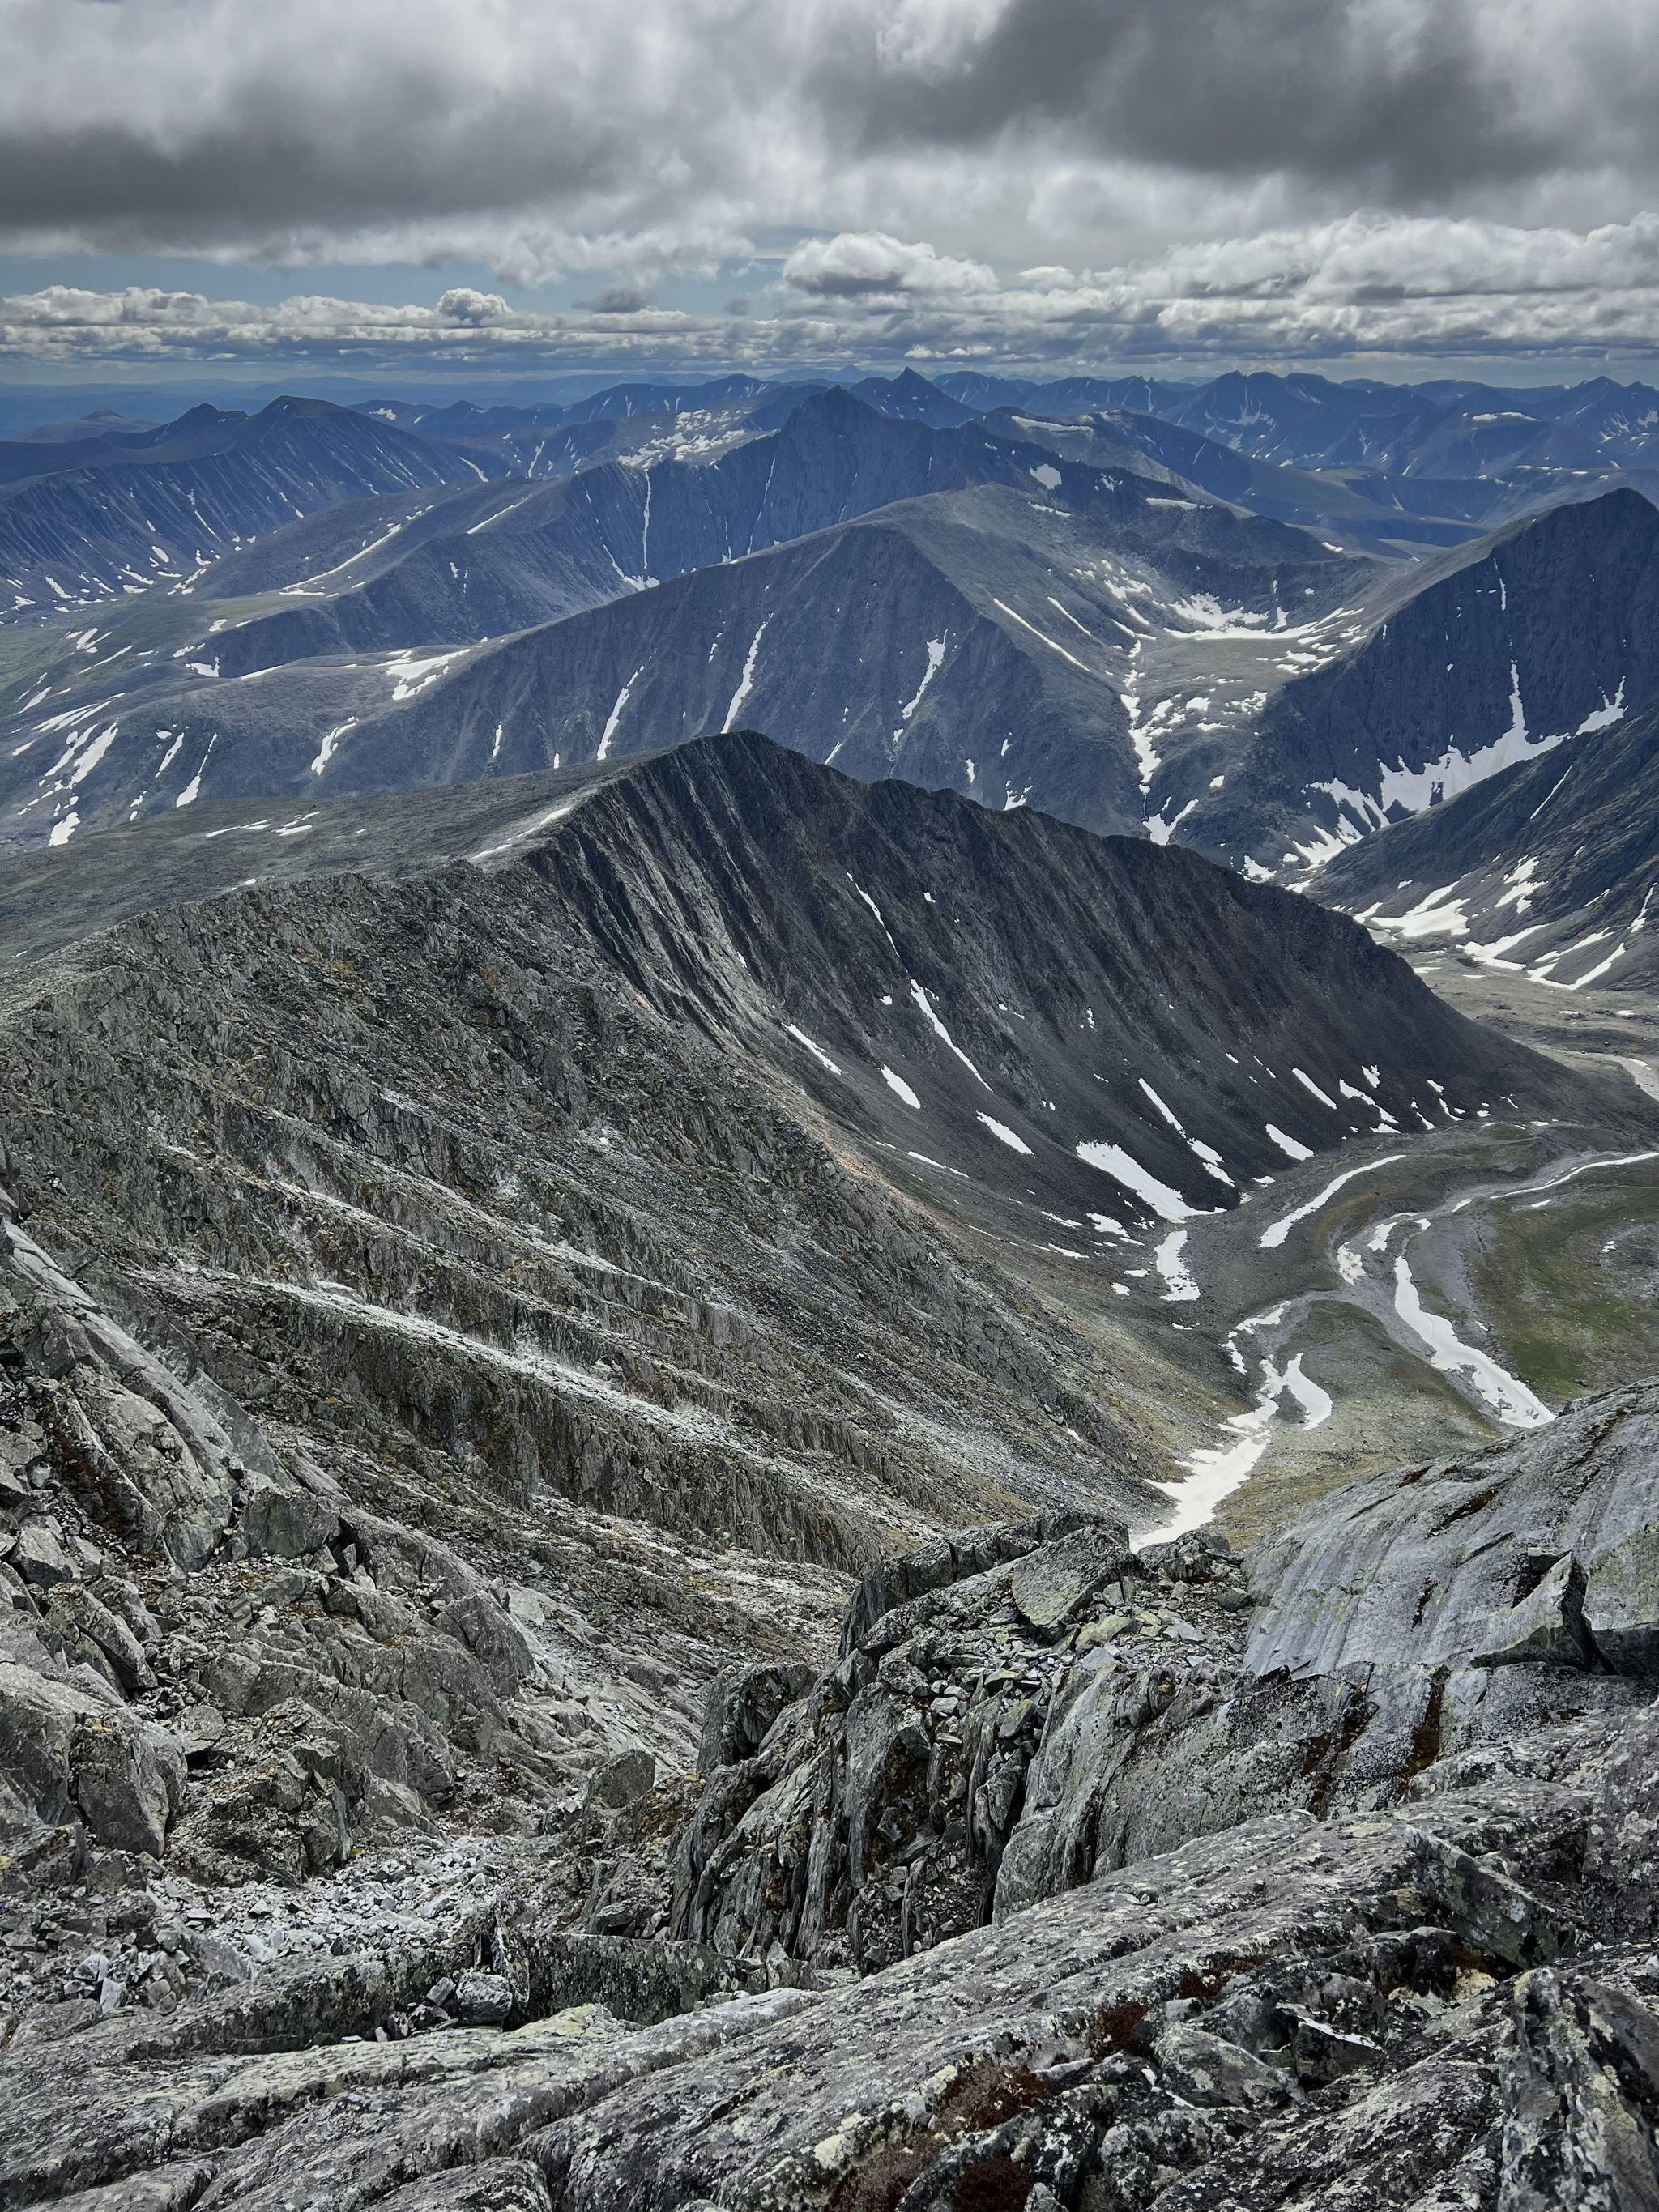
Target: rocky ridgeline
(1083, 1878)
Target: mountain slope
(490, 1219)
(929, 641)
(1549, 869)
(876, 919)
(1548, 635)
(508, 559)
(843, 934)
(550, 440)
(158, 507)
(1389, 516)
(629, 1163)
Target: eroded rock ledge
(1081, 1878)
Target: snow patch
(1111, 1159)
(1508, 1397)
(817, 1050)
(1161, 1107)
(746, 682)
(330, 745)
(935, 662)
(939, 1030)
(1308, 1083)
(1216, 1474)
(1288, 1145)
(604, 753)
(1004, 1136)
(1273, 1237)
(1169, 1259)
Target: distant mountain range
(128, 512)
(1255, 615)
(995, 620)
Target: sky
(424, 193)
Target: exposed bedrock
(1018, 1711)
(1083, 1878)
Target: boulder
(1546, 1627)
(493, 1637)
(484, 1999)
(285, 1521)
(1622, 1604)
(38, 1554)
(742, 1705)
(128, 1782)
(1208, 2070)
(81, 1617)
(1050, 1585)
(62, 1752)
(1580, 2085)
(622, 1781)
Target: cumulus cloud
(461, 304)
(1364, 285)
(872, 268)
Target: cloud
(672, 134)
(620, 300)
(1363, 285)
(463, 305)
(1171, 176)
(872, 268)
(1399, 101)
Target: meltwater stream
(1216, 1473)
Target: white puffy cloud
(872, 268)
(1362, 286)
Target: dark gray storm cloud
(171, 121)
(1403, 104)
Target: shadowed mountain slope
(1548, 635)
(1040, 1027)
(1549, 868)
(509, 558)
(158, 508)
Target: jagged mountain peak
(879, 944)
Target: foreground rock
(249, 1716)
(1373, 2010)
(888, 1808)
(1027, 1707)
(897, 1981)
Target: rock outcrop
(1085, 1878)
(887, 1808)
(996, 1733)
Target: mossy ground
(1571, 1290)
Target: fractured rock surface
(889, 1986)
